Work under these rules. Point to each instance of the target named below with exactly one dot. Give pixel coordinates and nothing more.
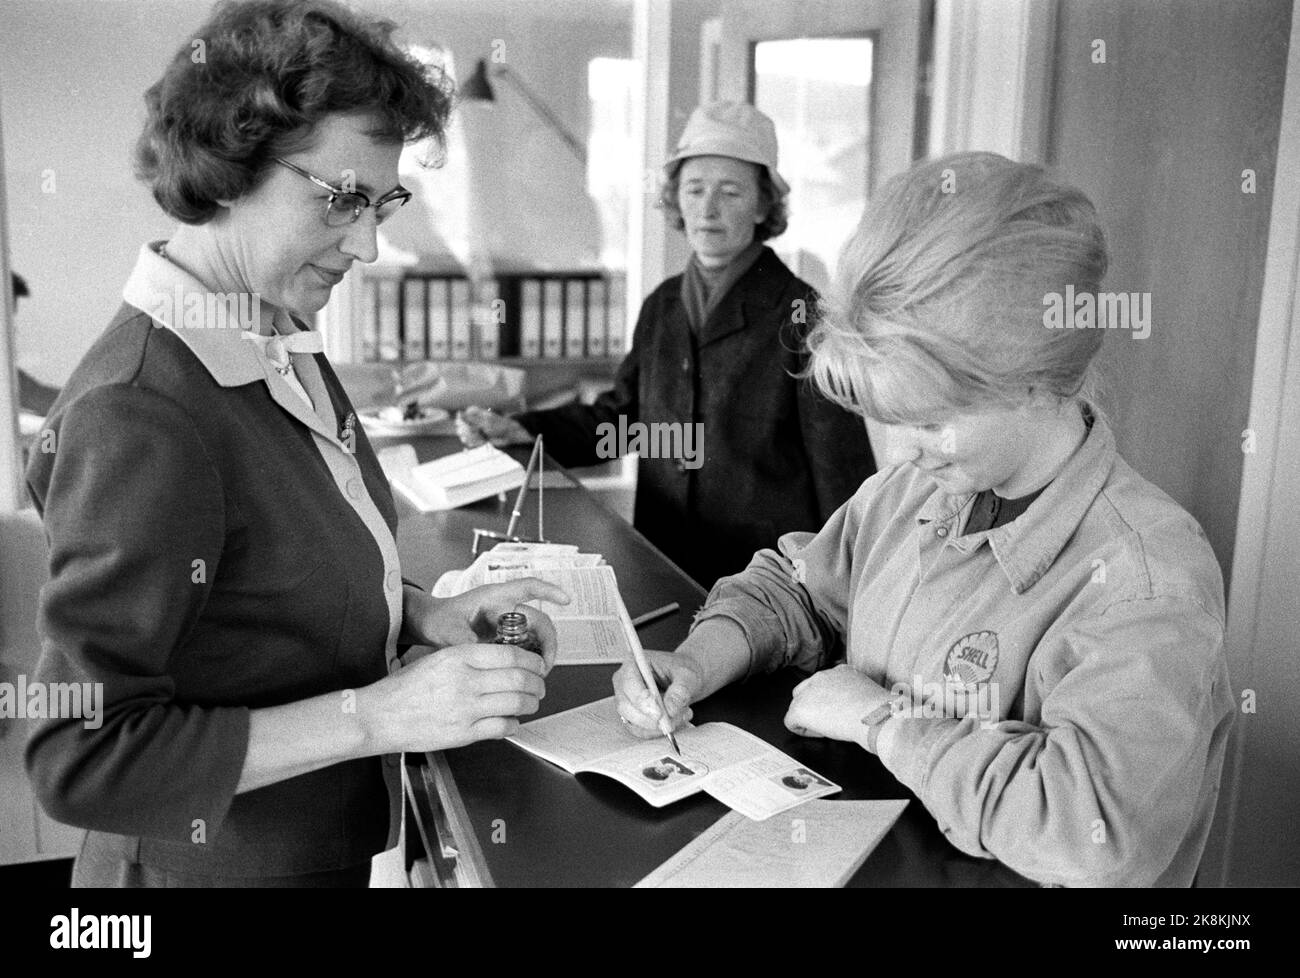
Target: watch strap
(874, 721)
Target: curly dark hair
(777, 220)
(255, 81)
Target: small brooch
(279, 356)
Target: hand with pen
(715, 654)
(679, 680)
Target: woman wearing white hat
(717, 347)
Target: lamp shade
(477, 87)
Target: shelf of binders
(515, 318)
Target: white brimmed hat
(734, 129)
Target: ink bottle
(512, 629)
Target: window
(818, 93)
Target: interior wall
(1165, 136)
(72, 77)
(1260, 801)
(687, 20)
(72, 80)
(1159, 135)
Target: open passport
(738, 769)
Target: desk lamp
(478, 88)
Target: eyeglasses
(345, 206)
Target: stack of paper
(509, 556)
(451, 481)
(593, 628)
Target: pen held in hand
(648, 677)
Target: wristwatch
(873, 721)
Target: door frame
(993, 76)
(11, 494)
(1261, 644)
(896, 29)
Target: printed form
(594, 627)
(822, 846)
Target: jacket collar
(212, 327)
(1027, 547)
(751, 299)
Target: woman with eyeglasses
(223, 561)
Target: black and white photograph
(801, 779)
(922, 377)
(663, 770)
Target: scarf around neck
(704, 288)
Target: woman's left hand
(832, 703)
(471, 617)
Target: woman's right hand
(476, 425)
(456, 696)
(684, 681)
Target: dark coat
(778, 456)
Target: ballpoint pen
(655, 615)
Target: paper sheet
(578, 737)
(767, 784)
(821, 844)
(586, 641)
(594, 626)
(593, 591)
(536, 549)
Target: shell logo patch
(972, 659)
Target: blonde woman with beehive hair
(1026, 632)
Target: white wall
(72, 77)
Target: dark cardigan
(203, 562)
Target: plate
(387, 421)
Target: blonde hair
(939, 299)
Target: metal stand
(534, 462)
